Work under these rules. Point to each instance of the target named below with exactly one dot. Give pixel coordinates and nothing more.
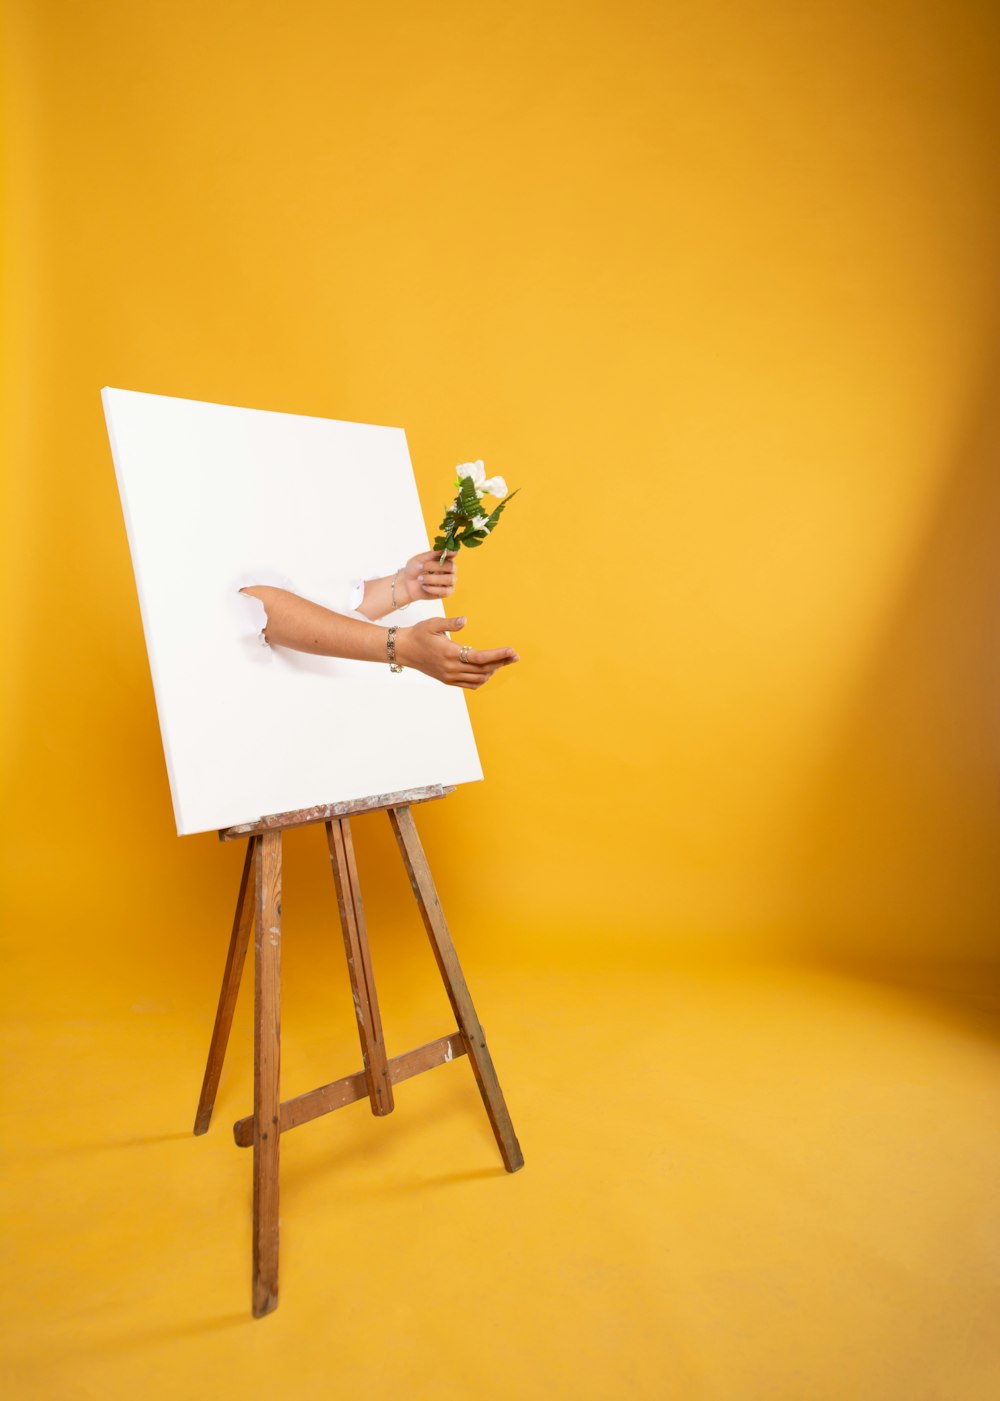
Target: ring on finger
(463, 655)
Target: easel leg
(228, 994)
(359, 965)
(266, 1067)
(457, 988)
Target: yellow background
(716, 285)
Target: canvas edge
(106, 401)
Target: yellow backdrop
(715, 285)
(714, 282)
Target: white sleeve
(339, 594)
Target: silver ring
(463, 654)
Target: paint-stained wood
(422, 884)
(359, 965)
(350, 1088)
(326, 812)
(266, 1074)
(238, 942)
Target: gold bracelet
(396, 607)
(390, 649)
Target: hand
(427, 648)
(428, 576)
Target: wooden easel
(271, 1118)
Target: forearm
(427, 577)
(378, 599)
(309, 627)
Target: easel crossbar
(349, 1088)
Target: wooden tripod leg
(266, 1068)
(457, 988)
(235, 959)
(359, 965)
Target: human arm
(424, 577)
(304, 626)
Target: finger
(499, 656)
(434, 555)
(430, 575)
(439, 626)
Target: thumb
(440, 625)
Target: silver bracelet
(396, 607)
(390, 649)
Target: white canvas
(214, 496)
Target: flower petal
(496, 486)
(476, 471)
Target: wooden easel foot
(266, 1075)
(457, 988)
(240, 938)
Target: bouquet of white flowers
(464, 523)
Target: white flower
(495, 486)
(480, 523)
(476, 471)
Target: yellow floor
(741, 1183)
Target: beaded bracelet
(390, 649)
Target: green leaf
(495, 515)
(468, 498)
(457, 528)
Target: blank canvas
(216, 496)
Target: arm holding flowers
(466, 522)
(422, 578)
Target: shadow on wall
(899, 850)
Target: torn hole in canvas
(249, 613)
(256, 618)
